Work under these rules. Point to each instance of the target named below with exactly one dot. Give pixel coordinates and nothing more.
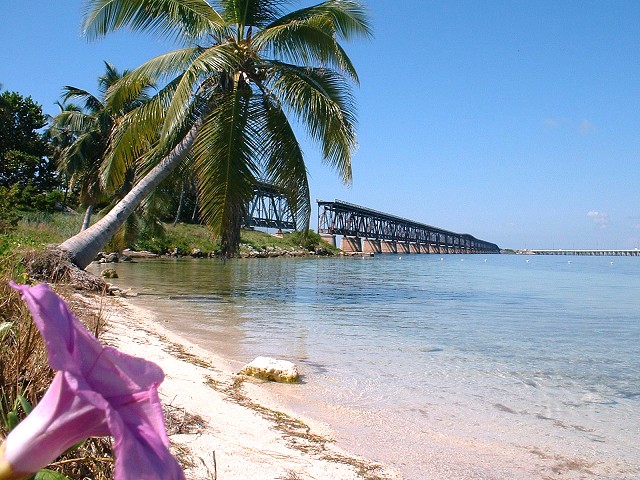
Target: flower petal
(120, 391)
(60, 420)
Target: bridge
(591, 253)
(369, 231)
(269, 208)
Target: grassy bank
(36, 230)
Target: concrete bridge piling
(371, 246)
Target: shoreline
(222, 425)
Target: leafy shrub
(8, 214)
(309, 241)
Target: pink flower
(97, 391)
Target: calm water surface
(530, 363)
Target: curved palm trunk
(83, 247)
(87, 217)
(179, 211)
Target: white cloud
(599, 218)
(552, 122)
(587, 127)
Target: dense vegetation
(36, 230)
(38, 205)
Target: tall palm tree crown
(245, 75)
(85, 129)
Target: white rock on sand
(227, 428)
(272, 369)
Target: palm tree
(60, 137)
(246, 74)
(90, 127)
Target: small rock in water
(111, 258)
(109, 273)
(271, 369)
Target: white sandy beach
(223, 426)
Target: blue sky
(515, 121)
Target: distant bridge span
(591, 253)
(370, 231)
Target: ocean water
(443, 366)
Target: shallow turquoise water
(537, 355)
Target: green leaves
(251, 13)
(283, 160)
(46, 474)
(13, 417)
(309, 36)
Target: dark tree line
(24, 152)
(30, 160)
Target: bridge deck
(343, 218)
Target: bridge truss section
(269, 208)
(343, 218)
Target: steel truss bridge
(269, 208)
(370, 231)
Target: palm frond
(349, 19)
(203, 69)
(161, 69)
(110, 76)
(74, 121)
(251, 13)
(305, 44)
(136, 136)
(343, 19)
(224, 154)
(323, 101)
(133, 135)
(176, 20)
(309, 36)
(73, 161)
(282, 159)
(87, 101)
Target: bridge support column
(414, 248)
(424, 248)
(371, 246)
(330, 239)
(388, 247)
(351, 244)
(402, 247)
